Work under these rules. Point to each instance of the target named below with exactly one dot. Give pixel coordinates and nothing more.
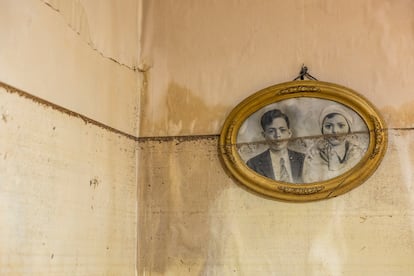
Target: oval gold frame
(338, 185)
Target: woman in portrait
(336, 152)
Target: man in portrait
(278, 162)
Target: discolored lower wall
(67, 192)
(68, 202)
(196, 220)
(203, 59)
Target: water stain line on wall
(87, 120)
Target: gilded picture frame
(303, 140)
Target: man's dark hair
(269, 116)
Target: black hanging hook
(304, 73)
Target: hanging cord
(304, 73)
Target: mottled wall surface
(67, 194)
(68, 186)
(197, 221)
(204, 57)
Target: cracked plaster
(86, 18)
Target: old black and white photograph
(303, 140)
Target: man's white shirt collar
(275, 156)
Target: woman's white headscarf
(336, 109)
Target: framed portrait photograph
(303, 141)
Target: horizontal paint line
(400, 128)
(182, 138)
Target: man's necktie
(284, 175)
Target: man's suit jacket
(262, 164)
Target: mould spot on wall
(94, 182)
(4, 117)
